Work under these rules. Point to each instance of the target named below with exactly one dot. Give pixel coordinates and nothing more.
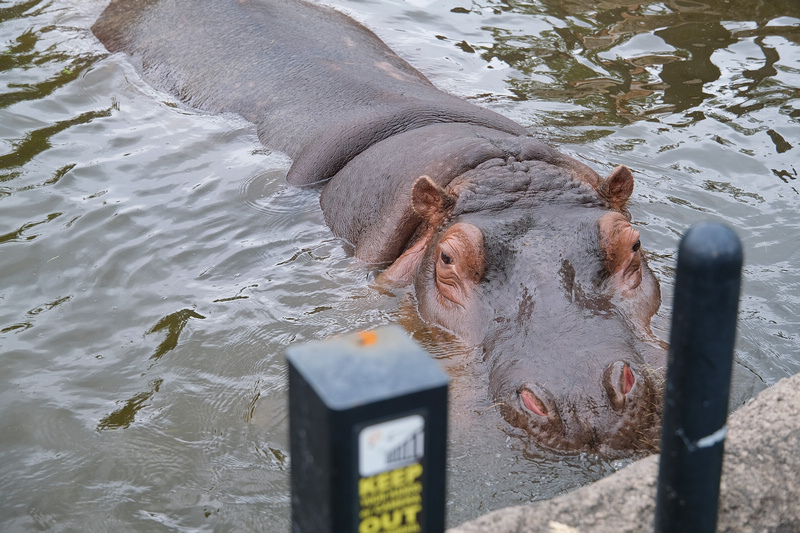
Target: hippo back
(321, 101)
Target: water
(155, 266)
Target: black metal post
(368, 432)
(698, 379)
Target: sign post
(368, 430)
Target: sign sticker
(391, 444)
(390, 466)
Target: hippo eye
(446, 259)
(637, 245)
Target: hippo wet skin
(506, 242)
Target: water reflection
(56, 66)
(624, 62)
(124, 416)
(685, 79)
(38, 140)
(18, 10)
(173, 324)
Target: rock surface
(759, 490)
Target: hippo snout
(615, 413)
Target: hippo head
(545, 271)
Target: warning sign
(390, 485)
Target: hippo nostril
(618, 380)
(627, 379)
(533, 403)
(541, 403)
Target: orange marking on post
(367, 338)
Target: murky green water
(154, 266)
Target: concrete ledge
(759, 491)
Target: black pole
(698, 379)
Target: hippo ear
(430, 201)
(432, 204)
(617, 187)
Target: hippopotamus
(516, 248)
